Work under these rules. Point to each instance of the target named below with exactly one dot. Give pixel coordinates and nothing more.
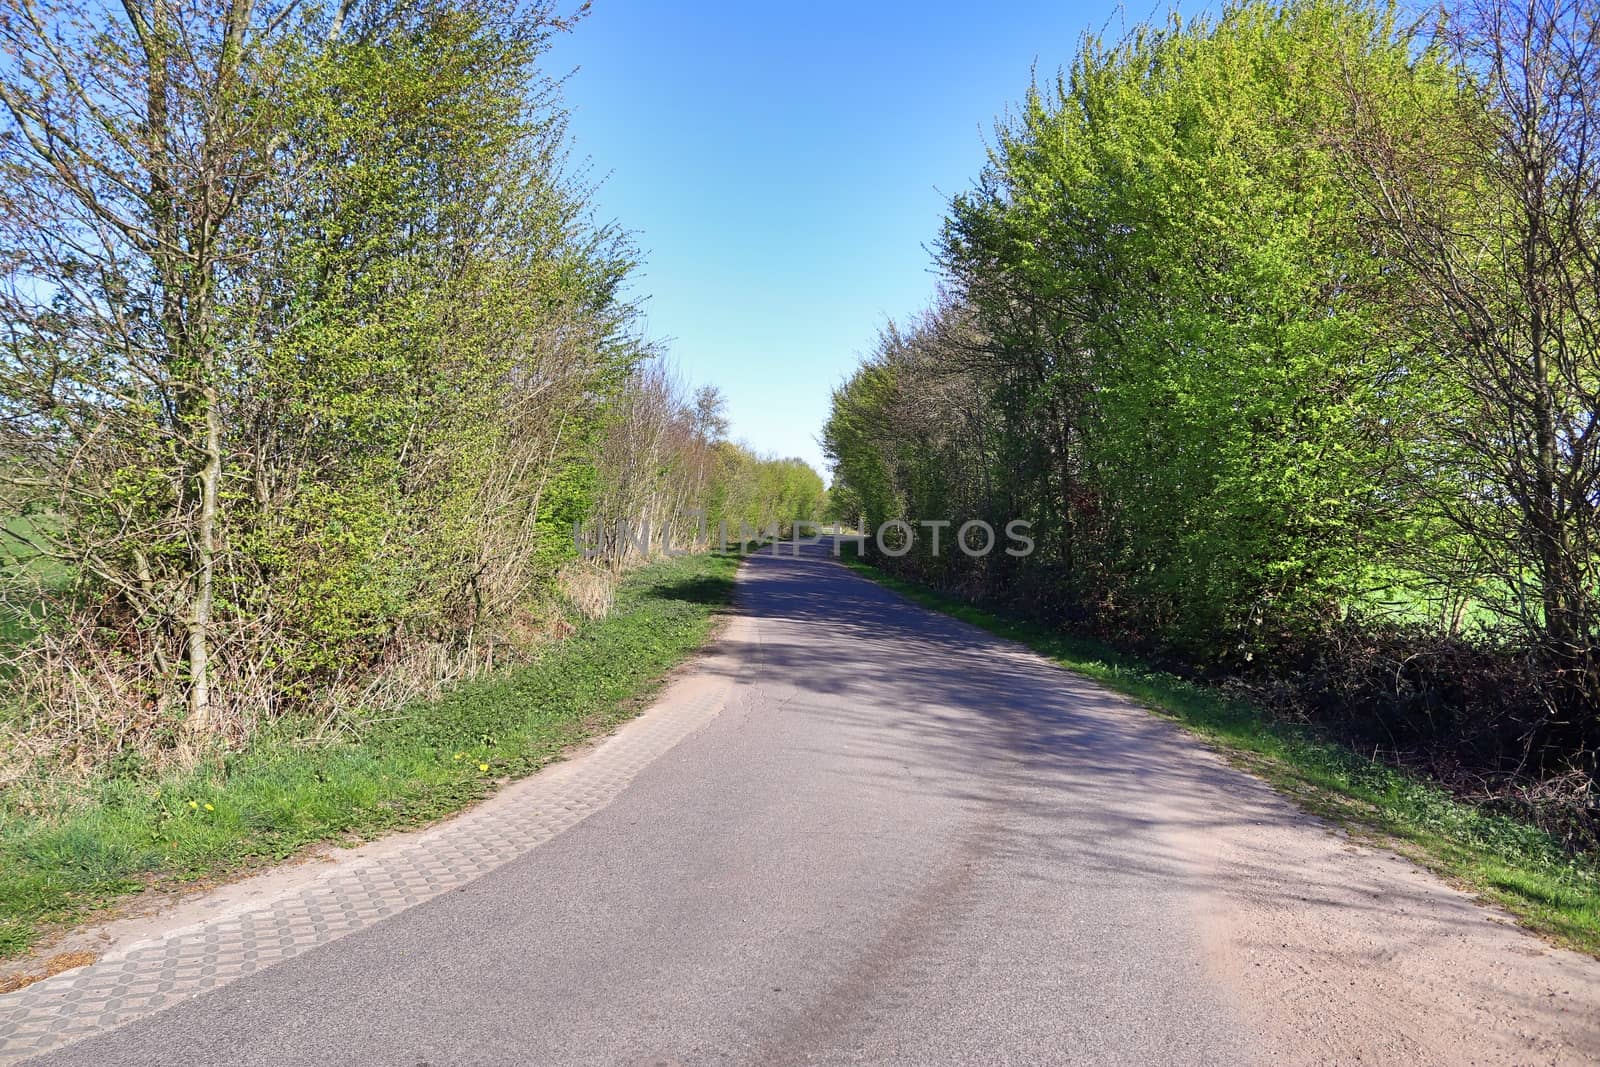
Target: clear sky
(785, 166)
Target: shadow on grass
(705, 590)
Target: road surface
(887, 838)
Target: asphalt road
(904, 841)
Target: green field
(23, 573)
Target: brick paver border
(156, 973)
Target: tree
(1491, 204)
(710, 413)
(308, 339)
(129, 151)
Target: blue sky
(784, 167)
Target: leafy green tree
(1279, 326)
(310, 348)
(1483, 191)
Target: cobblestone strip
(157, 973)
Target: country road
(853, 831)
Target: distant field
(22, 571)
(1403, 597)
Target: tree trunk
(202, 594)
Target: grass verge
(270, 801)
(1500, 858)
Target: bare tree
(128, 149)
(1495, 216)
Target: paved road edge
(385, 879)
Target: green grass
(126, 833)
(22, 568)
(1401, 596)
(1500, 858)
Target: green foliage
(355, 419)
(1202, 340)
(852, 440)
(443, 246)
(759, 494)
(1258, 320)
(1165, 340)
(667, 467)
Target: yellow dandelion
(210, 808)
(483, 766)
(460, 754)
(194, 804)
